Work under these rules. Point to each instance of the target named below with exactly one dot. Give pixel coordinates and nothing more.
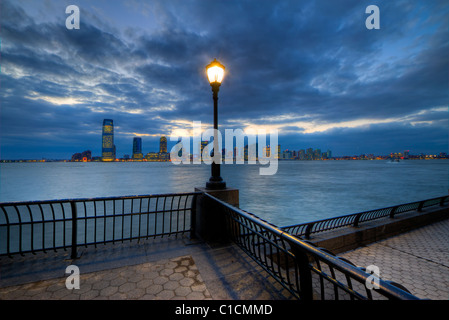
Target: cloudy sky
(310, 69)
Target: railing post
(74, 229)
(193, 218)
(210, 222)
(305, 274)
(420, 206)
(308, 230)
(392, 212)
(357, 219)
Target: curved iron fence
(67, 224)
(306, 229)
(304, 270)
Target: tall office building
(266, 151)
(163, 145)
(108, 147)
(309, 154)
(163, 154)
(286, 155)
(137, 149)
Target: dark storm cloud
(287, 62)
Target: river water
(300, 191)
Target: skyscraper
(309, 154)
(163, 154)
(108, 147)
(266, 151)
(137, 149)
(163, 145)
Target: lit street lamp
(215, 74)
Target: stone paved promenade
(419, 260)
(164, 269)
(184, 269)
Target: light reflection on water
(300, 191)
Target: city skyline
(310, 69)
(109, 152)
(286, 154)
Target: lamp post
(215, 74)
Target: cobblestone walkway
(419, 260)
(167, 279)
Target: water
(301, 191)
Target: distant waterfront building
(309, 154)
(137, 149)
(163, 145)
(152, 156)
(396, 155)
(202, 146)
(287, 155)
(108, 147)
(163, 154)
(196, 151)
(266, 151)
(252, 152)
(84, 156)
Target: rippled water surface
(300, 191)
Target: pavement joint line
(415, 256)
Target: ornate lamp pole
(215, 74)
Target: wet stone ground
(168, 279)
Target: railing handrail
(68, 200)
(385, 288)
(347, 221)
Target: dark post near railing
(357, 220)
(421, 204)
(193, 218)
(305, 274)
(308, 230)
(74, 229)
(393, 211)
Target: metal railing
(70, 223)
(307, 229)
(304, 270)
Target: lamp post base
(215, 184)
